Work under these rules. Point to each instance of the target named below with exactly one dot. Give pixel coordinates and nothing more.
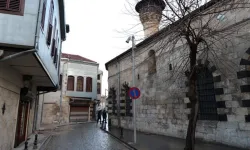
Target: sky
(98, 30)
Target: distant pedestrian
(99, 114)
(104, 115)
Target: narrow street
(84, 137)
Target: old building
(32, 32)
(163, 107)
(79, 92)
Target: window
(98, 88)
(43, 14)
(15, 7)
(151, 62)
(54, 41)
(79, 84)
(70, 84)
(98, 77)
(50, 26)
(206, 95)
(89, 84)
(55, 60)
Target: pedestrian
(99, 114)
(104, 115)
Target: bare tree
(191, 27)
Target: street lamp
(132, 38)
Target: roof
(76, 57)
(165, 29)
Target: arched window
(89, 84)
(80, 82)
(71, 84)
(151, 62)
(98, 88)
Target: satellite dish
(1, 53)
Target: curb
(120, 139)
(45, 142)
(62, 125)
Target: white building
(81, 88)
(31, 36)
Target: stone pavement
(41, 141)
(84, 137)
(157, 142)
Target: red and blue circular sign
(134, 92)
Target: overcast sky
(96, 30)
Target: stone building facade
(163, 107)
(78, 96)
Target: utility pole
(132, 38)
(61, 94)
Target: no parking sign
(134, 92)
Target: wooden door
(22, 119)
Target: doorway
(22, 120)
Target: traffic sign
(134, 92)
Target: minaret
(150, 12)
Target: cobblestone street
(84, 137)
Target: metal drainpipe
(17, 55)
(41, 119)
(37, 34)
(118, 106)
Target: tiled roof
(76, 57)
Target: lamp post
(132, 38)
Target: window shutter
(55, 57)
(89, 84)
(3, 4)
(53, 48)
(50, 26)
(49, 34)
(43, 13)
(70, 83)
(14, 5)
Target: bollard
(121, 132)
(26, 145)
(35, 142)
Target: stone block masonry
(164, 108)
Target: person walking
(99, 114)
(104, 115)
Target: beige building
(79, 93)
(30, 43)
(163, 107)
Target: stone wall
(163, 107)
(10, 83)
(51, 108)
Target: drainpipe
(41, 118)
(37, 34)
(35, 44)
(18, 55)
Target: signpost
(134, 93)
